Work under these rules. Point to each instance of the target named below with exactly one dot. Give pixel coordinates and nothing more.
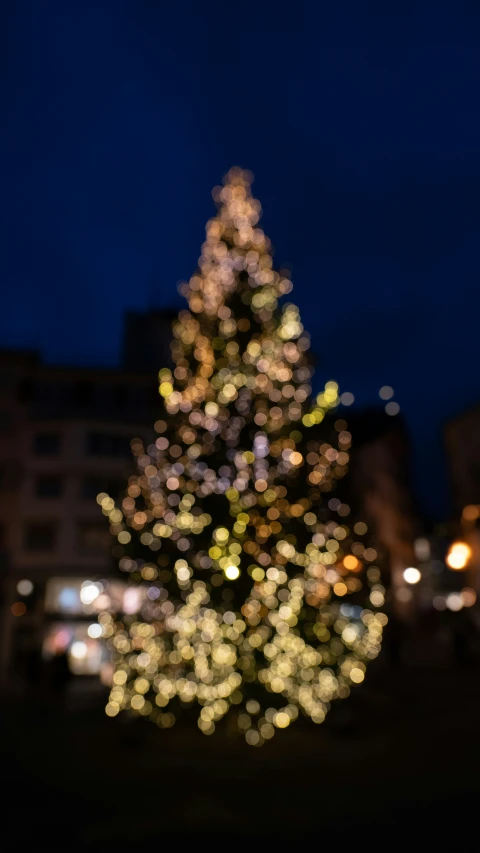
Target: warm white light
(78, 650)
(232, 573)
(89, 592)
(454, 601)
(94, 630)
(411, 575)
(24, 587)
(469, 597)
(132, 600)
(459, 555)
(347, 398)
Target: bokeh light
(469, 596)
(78, 650)
(411, 575)
(386, 392)
(454, 601)
(471, 512)
(458, 555)
(90, 591)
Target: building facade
(381, 492)
(64, 437)
(462, 440)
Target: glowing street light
(459, 555)
(411, 575)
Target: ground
(399, 758)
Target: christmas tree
(251, 591)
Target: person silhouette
(61, 675)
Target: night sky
(361, 124)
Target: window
(40, 536)
(86, 655)
(104, 444)
(48, 486)
(120, 396)
(93, 485)
(94, 537)
(73, 596)
(83, 393)
(141, 396)
(62, 595)
(6, 423)
(51, 393)
(26, 391)
(46, 443)
(10, 476)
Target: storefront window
(83, 597)
(86, 654)
(93, 537)
(63, 596)
(79, 600)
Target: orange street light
(459, 555)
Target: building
(380, 492)
(64, 437)
(462, 441)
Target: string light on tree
(392, 408)
(251, 591)
(386, 392)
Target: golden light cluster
(258, 592)
(459, 555)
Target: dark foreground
(400, 759)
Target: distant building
(462, 439)
(65, 436)
(380, 491)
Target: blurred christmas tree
(249, 577)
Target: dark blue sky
(361, 124)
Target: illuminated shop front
(72, 606)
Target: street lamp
(411, 575)
(458, 556)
